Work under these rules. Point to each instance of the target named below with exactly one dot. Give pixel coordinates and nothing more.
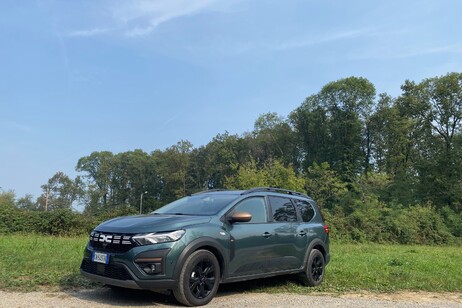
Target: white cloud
(400, 52)
(299, 43)
(90, 32)
(135, 18)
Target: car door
(251, 242)
(308, 230)
(288, 249)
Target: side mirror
(240, 217)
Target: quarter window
(305, 208)
(283, 209)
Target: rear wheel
(199, 279)
(314, 271)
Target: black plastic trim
(197, 244)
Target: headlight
(155, 238)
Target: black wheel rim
(317, 268)
(202, 279)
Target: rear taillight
(326, 228)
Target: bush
(368, 220)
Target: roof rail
(276, 190)
(209, 190)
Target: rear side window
(283, 210)
(305, 208)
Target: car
(193, 244)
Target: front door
(252, 242)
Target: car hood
(150, 223)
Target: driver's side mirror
(239, 217)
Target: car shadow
(115, 296)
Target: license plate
(100, 257)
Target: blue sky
(84, 76)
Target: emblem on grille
(105, 238)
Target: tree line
(353, 151)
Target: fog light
(151, 268)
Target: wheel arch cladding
(209, 244)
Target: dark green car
(192, 245)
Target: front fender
(207, 243)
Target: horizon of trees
(346, 146)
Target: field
(36, 262)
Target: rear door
(288, 238)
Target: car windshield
(204, 205)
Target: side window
(255, 206)
(306, 209)
(283, 209)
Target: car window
(256, 206)
(282, 209)
(203, 204)
(305, 208)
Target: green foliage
(273, 174)
(58, 222)
(384, 169)
(7, 199)
(324, 185)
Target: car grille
(111, 242)
(110, 270)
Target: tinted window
(305, 208)
(283, 209)
(255, 206)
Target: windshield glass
(205, 205)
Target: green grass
(34, 262)
(30, 262)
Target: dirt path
(104, 297)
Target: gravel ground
(105, 297)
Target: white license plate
(100, 257)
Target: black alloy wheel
(202, 279)
(313, 274)
(199, 279)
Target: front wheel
(199, 279)
(314, 271)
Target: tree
(333, 126)
(324, 185)
(220, 158)
(272, 174)
(60, 192)
(174, 165)
(99, 168)
(272, 138)
(435, 107)
(7, 198)
(26, 203)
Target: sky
(84, 76)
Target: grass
(34, 262)
(31, 262)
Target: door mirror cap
(240, 217)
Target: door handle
(302, 233)
(266, 235)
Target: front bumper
(135, 283)
(126, 269)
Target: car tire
(199, 279)
(314, 270)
